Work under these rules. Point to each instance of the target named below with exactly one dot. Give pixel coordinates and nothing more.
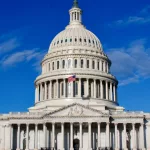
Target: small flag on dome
(72, 78)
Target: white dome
(76, 35)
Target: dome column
(45, 94)
(101, 84)
(50, 90)
(64, 87)
(106, 91)
(79, 89)
(95, 88)
(87, 87)
(114, 91)
(110, 91)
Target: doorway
(76, 143)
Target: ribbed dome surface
(75, 35)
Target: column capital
(53, 123)
(18, 124)
(115, 123)
(81, 123)
(99, 122)
(107, 123)
(142, 124)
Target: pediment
(75, 110)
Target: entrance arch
(76, 143)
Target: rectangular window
(87, 63)
(53, 65)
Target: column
(57, 89)
(79, 89)
(116, 137)
(44, 132)
(99, 134)
(94, 88)
(64, 88)
(101, 83)
(81, 138)
(100, 65)
(62, 132)
(142, 145)
(36, 136)
(50, 90)
(106, 90)
(3, 137)
(27, 136)
(134, 139)
(107, 136)
(18, 137)
(89, 137)
(53, 135)
(110, 91)
(87, 87)
(37, 94)
(11, 136)
(114, 87)
(45, 95)
(124, 136)
(71, 92)
(41, 92)
(71, 136)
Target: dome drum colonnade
(49, 140)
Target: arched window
(75, 63)
(98, 65)
(53, 66)
(87, 63)
(63, 64)
(57, 64)
(93, 64)
(69, 63)
(81, 63)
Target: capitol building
(76, 105)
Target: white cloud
(9, 45)
(141, 18)
(23, 56)
(131, 63)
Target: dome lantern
(75, 14)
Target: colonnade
(81, 88)
(89, 125)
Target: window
(57, 42)
(84, 40)
(75, 63)
(98, 65)
(61, 41)
(89, 41)
(57, 64)
(93, 64)
(70, 40)
(65, 40)
(87, 63)
(81, 63)
(53, 65)
(75, 39)
(63, 64)
(82, 88)
(80, 40)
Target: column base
(17, 149)
(71, 148)
(89, 148)
(116, 148)
(125, 149)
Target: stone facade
(83, 114)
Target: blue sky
(28, 26)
